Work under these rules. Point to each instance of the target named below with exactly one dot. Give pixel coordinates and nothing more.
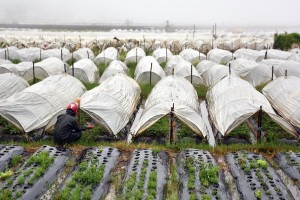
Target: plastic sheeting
(162, 55)
(31, 54)
(2, 61)
(113, 102)
(80, 54)
(215, 74)
(172, 62)
(192, 55)
(204, 65)
(189, 72)
(85, 70)
(45, 68)
(38, 105)
(107, 56)
(219, 56)
(232, 100)
(172, 90)
(10, 84)
(142, 71)
(284, 95)
(8, 68)
(277, 54)
(251, 71)
(249, 54)
(57, 53)
(135, 55)
(292, 67)
(115, 67)
(10, 53)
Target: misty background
(199, 12)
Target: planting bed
(289, 162)
(35, 176)
(7, 155)
(199, 176)
(91, 176)
(146, 175)
(255, 178)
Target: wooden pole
(266, 54)
(151, 74)
(7, 53)
(272, 73)
(136, 55)
(33, 72)
(166, 55)
(285, 74)
(229, 68)
(172, 123)
(65, 67)
(61, 54)
(259, 124)
(88, 54)
(191, 74)
(78, 116)
(40, 54)
(5, 57)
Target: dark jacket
(67, 129)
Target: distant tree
(285, 41)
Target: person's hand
(89, 126)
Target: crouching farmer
(67, 129)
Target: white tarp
(188, 71)
(249, 54)
(192, 55)
(2, 61)
(295, 51)
(215, 74)
(172, 62)
(251, 71)
(219, 56)
(172, 90)
(115, 67)
(22, 67)
(292, 67)
(113, 102)
(142, 71)
(204, 65)
(36, 106)
(107, 56)
(45, 68)
(10, 53)
(85, 70)
(162, 55)
(32, 54)
(8, 68)
(57, 53)
(273, 62)
(135, 55)
(10, 84)
(284, 95)
(277, 54)
(80, 54)
(232, 100)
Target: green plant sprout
(258, 194)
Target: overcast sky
(202, 12)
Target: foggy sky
(202, 12)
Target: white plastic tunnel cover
(251, 71)
(172, 90)
(38, 105)
(115, 67)
(249, 54)
(107, 56)
(172, 62)
(45, 68)
(192, 55)
(10, 53)
(135, 55)
(10, 84)
(30, 54)
(80, 54)
(146, 74)
(204, 65)
(8, 68)
(162, 55)
(57, 53)
(292, 67)
(284, 95)
(215, 74)
(189, 72)
(232, 100)
(219, 56)
(113, 102)
(85, 70)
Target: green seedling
(258, 194)
(262, 164)
(16, 160)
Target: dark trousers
(73, 137)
